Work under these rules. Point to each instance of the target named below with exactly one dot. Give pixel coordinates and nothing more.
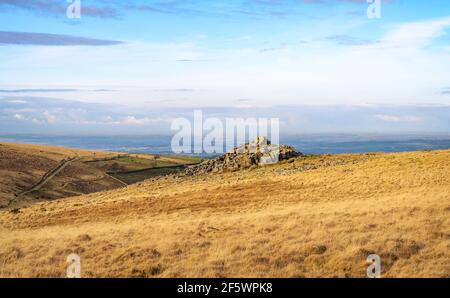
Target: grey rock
(259, 152)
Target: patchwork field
(315, 216)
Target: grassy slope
(23, 165)
(131, 178)
(146, 165)
(316, 216)
(134, 162)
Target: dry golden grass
(308, 217)
(53, 152)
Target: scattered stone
(318, 249)
(15, 210)
(84, 237)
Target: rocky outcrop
(259, 152)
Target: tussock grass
(309, 217)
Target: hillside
(33, 173)
(309, 216)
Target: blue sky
(247, 54)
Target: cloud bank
(44, 39)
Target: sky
(127, 65)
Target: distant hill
(33, 173)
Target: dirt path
(47, 177)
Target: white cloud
(396, 70)
(131, 120)
(18, 101)
(49, 118)
(392, 118)
(36, 121)
(19, 117)
(416, 34)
